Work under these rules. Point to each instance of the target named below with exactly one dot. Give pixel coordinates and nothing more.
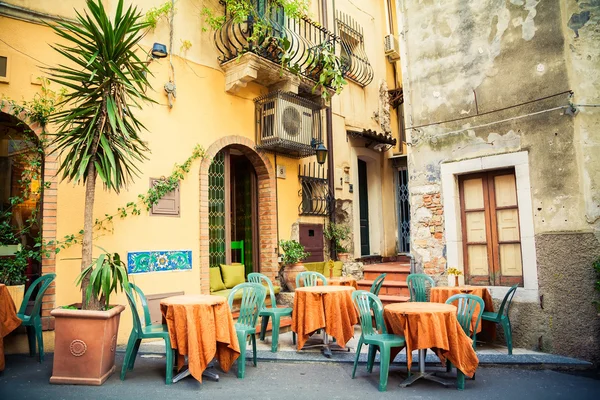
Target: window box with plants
(97, 136)
(293, 255)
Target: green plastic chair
(147, 330)
(33, 320)
(239, 245)
(273, 312)
(253, 299)
(369, 305)
(466, 308)
(501, 317)
(376, 286)
(419, 286)
(309, 278)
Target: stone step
(388, 287)
(391, 299)
(393, 271)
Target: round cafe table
(200, 327)
(440, 294)
(8, 319)
(324, 307)
(342, 281)
(431, 326)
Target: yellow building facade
(214, 107)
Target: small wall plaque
(281, 171)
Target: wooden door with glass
(490, 228)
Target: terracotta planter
(17, 293)
(85, 344)
(343, 256)
(289, 275)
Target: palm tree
(97, 132)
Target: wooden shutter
(311, 237)
(490, 223)
(168, 205)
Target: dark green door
(363, 199)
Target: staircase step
(396, 272)
(388, 287)
(391, 299)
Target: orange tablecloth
(201, 327)
(432, 326)
(328, 307)
(8, 319)
(341, 281)
(440, 294)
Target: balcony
(297, 42)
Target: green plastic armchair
(369, 305)
(376, 286)
(501, 317)
(309, 278)
(273, 312)
(466, 308)
(33, 320)
(253, 298)
(145, 330)
(419, 286)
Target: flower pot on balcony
(84, 345)
(289, 275)
(343, 257)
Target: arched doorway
(237, 204)
(33, 214)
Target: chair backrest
(137, 323)
(506, 302)
(365, 303)
(467, 304)
(376, 286)
(419, 286)
(239, 245)
(256, 277)
(43, 281)
(253, 299)
(309, 278)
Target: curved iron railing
(353, 52)
(303, 37)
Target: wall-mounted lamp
(159, 50)
(320, 150)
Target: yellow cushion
(337, 268)
(233, 275)
(216, 282)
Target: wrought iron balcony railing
(298, 40)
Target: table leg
(422, 374)
(207, 374)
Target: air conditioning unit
(391, 47)
(285, 120)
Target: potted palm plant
(293, 255)
(97, 136)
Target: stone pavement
(26, 379)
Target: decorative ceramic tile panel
(156, 261)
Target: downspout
(330, 172)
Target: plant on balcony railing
(279, 31)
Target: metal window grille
(353, 54)
(403, 210)
(216, 211)
(316, 198)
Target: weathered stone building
(501, 109)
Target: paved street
(24, 378)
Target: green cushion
(216, 282)
(233, 275)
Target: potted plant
(293, 255)
(97, 135)
(338, 234)
(86, 340)
(13, 263)
(456, 273)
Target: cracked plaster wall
(470, 58)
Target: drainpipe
(330, 172)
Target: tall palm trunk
(86, 243)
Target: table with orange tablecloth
(201, 327)
(342, 281)
(440, 294)
(431, 326)
(8, 319)
(324, 307)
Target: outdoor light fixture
(320, 150)
(159, 50)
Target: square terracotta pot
(84, 346)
